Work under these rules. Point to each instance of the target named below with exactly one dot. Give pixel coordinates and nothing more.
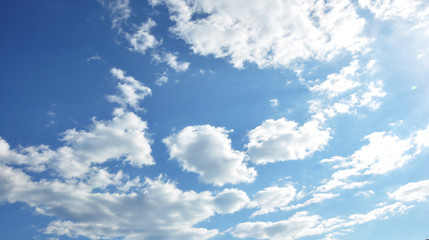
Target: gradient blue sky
(174, 119)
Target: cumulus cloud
(272, 198)
(171, 60)
(123, 138)
(207, 151)
(282, 140)
(414, 191)
(142, 40)
(131, 90)
(241, 31)
(158, 209)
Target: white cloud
(122, 138)
(142, 40)
(171, 60)
(414, 191)
(301, 224)
(161, 80)
(158, 209)
(274, 102)
(131, 90)
(384, 152)
(282, 140)
(379, 213)
(119, 10)
(297, 226)
(316, 198)
(272, 198)
(337, 83)
(206, 150)
(422, 138)
(385, 10)
(242, 31)
(346, 91)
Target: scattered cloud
(162, 79)
(241, 31)
(171, 60)
(274, 102)
(131, 90)
(207, 151)
(282, 140)
(272, 198)
(142, 40)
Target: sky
(193, 120)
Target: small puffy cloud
(131, 90)
(207, 151)
(414, 191)
(142, 40)
(282, 140)
(156, 210)
(422, 138)
(241, 31)
(161, 80)
(171, 60)
(272, 198)
(274, 102)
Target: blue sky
(174, 119)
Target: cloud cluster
(131, 90)
(242, 31)
(156, 210)
(207, 151)
(282, 140)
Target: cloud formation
(241, 31)
(282, 140)
(207, 151)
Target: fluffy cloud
(414, 191)
(131, 90)
(272, 198)
(142, 40)
(171, 60)
(122, 138)
(242, 31)
(157, 209)
(282, 140)
(206, 150)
